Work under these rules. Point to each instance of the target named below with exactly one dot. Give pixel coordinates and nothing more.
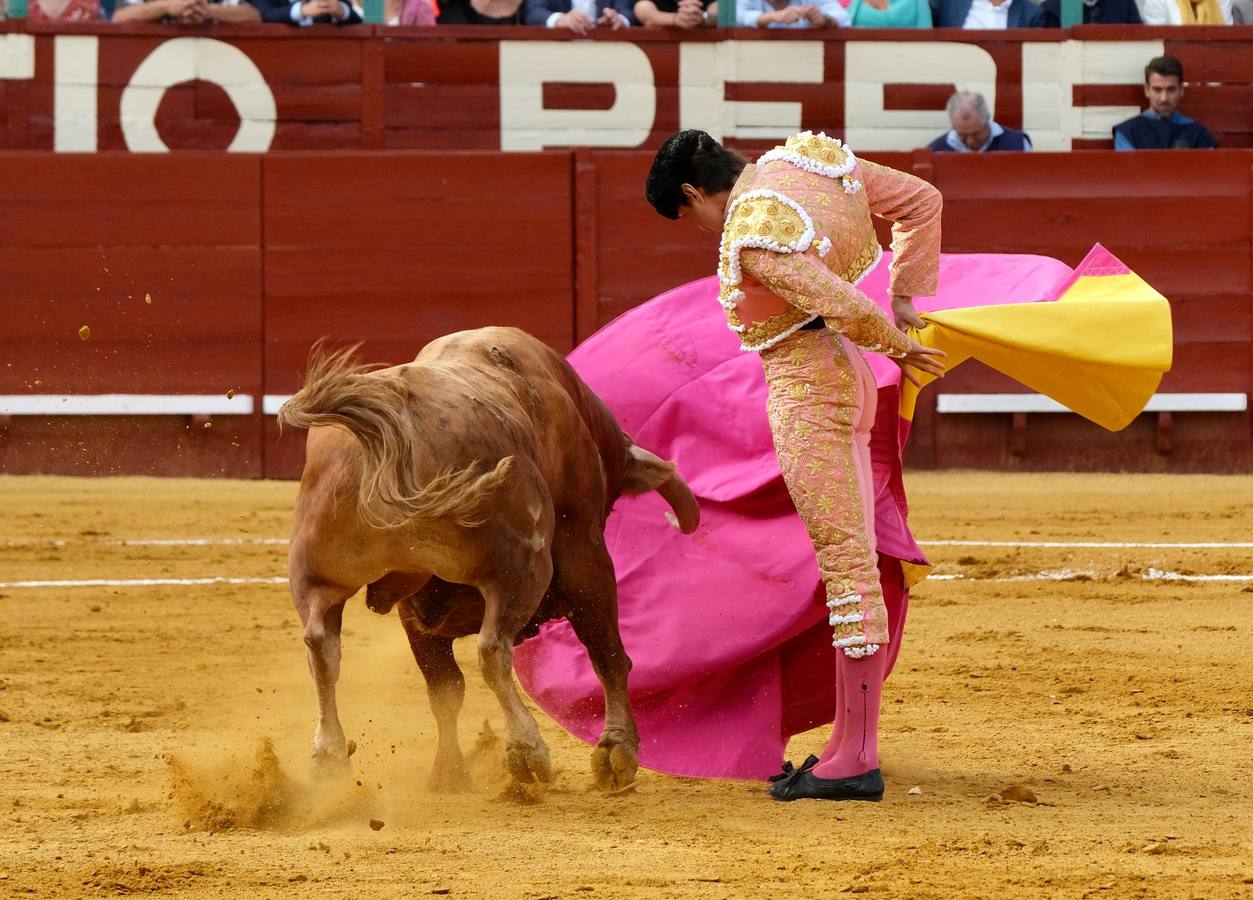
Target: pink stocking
(854, 745)
(896, 599)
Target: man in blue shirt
(973, 130)
(1160, 127)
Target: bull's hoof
(614, 765)
(449, 779)
(529, 764)
(328, 766)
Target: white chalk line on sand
(279, 542)
(1055, 575)
(1149, 574)
(139, 582)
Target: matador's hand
(924, 359)
(904, 313)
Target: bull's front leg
(321, 609)
(587, 580)
(446, 689)
(616, 757)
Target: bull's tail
(378, 410)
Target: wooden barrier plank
(640, 254)
(90, 239)
(432, 243)
(132, 445)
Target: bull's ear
(645, 471)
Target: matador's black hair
(690, 157)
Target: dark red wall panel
(249, 260)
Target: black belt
(815, 325)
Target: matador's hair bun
(690, 157)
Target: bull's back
(545, 388)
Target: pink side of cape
(705, 617)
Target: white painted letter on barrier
(870, 65)
(74, 94)
(525, 66)
(1049, 75)
(17, 57)
(706, 69)
(198, 59)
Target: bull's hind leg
(321, 609)
(506, 610)
(586, 578)
(446, 688)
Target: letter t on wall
(74, 94)
(17, 57)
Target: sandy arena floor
(1120, 696)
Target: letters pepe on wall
(1050, 72)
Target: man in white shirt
(986, 15)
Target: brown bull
(470, 487)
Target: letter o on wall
(198, 59)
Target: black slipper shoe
(790, 771)
(805, 785)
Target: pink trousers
(821, 407)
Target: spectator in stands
(973, 129)
(480, 12)
(1095, 12)
(1160, 127)
(686, 15)
(411, 12)
(1186, 12)
(191, 12)
(64, 11)
(308, 12)
(890, 13)
(1242, 12)
(789, 14)
(986, 15)
(580, 16)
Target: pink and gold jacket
(798, 237)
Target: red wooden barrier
(89, 241)
(394, 250)
(249, 259)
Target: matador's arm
(807, 284)
(913, 207)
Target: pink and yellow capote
(729, 629)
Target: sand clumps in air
(258, 794)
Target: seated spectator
(480, 12)
(686, 15)
(1160, 127)
(64, 11)
(191, 12)
(579, 16)
(986, 15)
(788, 14)
(308, 12)
(1095, 12)
(973, 130)
(411, 12)
(890, 13)
(1242, 12)
(1186, 12)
